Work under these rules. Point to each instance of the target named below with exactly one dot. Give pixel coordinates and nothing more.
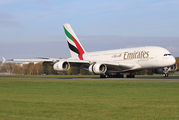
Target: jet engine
(173, 68)
(61, 66)
(165, 70)
(98, 68)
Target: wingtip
(4, 60)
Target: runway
(87, 78)
(154, 79)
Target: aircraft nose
(169, 61)
(172, 60)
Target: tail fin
(76, 49)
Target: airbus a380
(110, 62)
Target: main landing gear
(130, 76)
(112, 76)
(117, 76)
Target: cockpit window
(167, 54)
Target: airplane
(110, 63)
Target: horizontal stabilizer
(43, 58)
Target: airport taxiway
(83, 78)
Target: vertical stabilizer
(76, 49)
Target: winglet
(4, 60)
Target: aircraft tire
(130, 76)
(165, 75)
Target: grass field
(64, 99)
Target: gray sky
(31, 28)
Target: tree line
(47, 69)
(37, 69)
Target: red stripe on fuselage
(80, 49)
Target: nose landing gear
(165, 75)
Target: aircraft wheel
(107, 76)
(122, 76)
(102, 76)
(165, 75)
(118, 76)
(113, 76)
(110, 76)
(130, 76)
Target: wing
(29, 60)
(73, 62)
(84, 64)
(111, 67)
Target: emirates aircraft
(111, 63)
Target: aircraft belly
(114, 69)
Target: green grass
(63, 99)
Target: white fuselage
(143, 57)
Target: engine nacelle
(61, 66)
(173, 68)
(98, 68)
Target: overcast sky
(34, 27)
